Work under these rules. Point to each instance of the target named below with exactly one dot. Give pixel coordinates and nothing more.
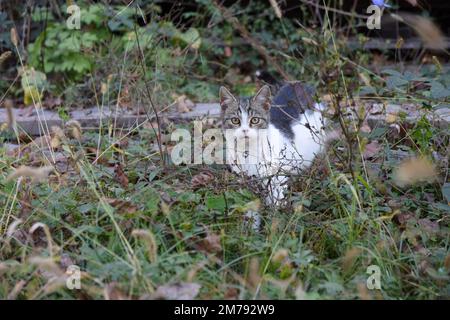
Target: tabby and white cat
(272, 138)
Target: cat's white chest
(272, 153)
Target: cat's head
(245, 116)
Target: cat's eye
(235, 120)
(255, 120)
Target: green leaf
(215, 202)
(189, 38)
(395, 82)
(366, 90)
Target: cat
(272, 138)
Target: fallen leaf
(371, 150)
(178, 291)
(183, 104)
(121, 206)
(231, 294)
(430, 227)
(403, 218)
(120, 176)
(202, 179)
(211, 243)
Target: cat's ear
(226, 98)
(263, 98)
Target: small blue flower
(381, 3)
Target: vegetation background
(109, 201)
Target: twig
(158, 121)
(226, 14)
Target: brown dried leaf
(371, 150)
(121, 206)
(430, 227)
(183, 104)
(202, 179)
(113, 292)
(231, 294)
(227, 51)
(403, 218)
(211, 243)
(120, 176)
